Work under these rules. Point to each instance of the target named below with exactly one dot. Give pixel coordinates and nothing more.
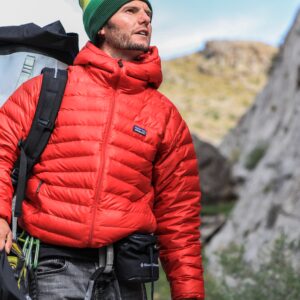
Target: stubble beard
(121, 40)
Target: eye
(130, 10)
(149, 14)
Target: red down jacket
(120, 160)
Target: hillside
(214, 87)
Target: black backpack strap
(52, 91)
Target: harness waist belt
(90, 254)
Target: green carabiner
(36, 254)
(24, 249)
(29, 253)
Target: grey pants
(66, 279)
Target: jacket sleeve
(177, 210)
(15, 120)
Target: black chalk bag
(136, 258)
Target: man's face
(129, 28)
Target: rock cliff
(265, 151)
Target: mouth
(142, 32)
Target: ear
(101, 32)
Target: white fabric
(13, 68)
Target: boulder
(215, 173)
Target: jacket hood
(144, 72)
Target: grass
(220, 208)
(161, 288)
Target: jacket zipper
(103, 155)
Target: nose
(144, 18)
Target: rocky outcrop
(215, 173)
(265, 151)
(244, 57)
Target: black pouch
(13, 274)
(136, 258)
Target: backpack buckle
(14, 176)
(45, 123)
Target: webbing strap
(20, 191)
(14, 221)
(91, 284)
(52, 91)
(26, 69)
(106, 258)
(106, 261)
(51, 95)
(152, 272)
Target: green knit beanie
(97, 12)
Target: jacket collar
(129, 76)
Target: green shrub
(276, 278)
(255, 156)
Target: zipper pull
(39, 186)
(120, 63)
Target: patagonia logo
(139, 130)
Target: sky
(179, 27)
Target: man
(120, 160)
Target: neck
(127, 55)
